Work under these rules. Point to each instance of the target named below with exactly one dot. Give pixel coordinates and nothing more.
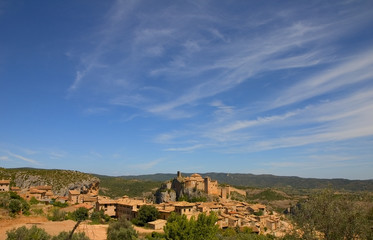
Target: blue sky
(137, 87)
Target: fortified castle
(180, 186)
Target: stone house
(108, 206)
(74, 197)
(186, 208)
(128, 208)
(157, 224)
(4, 185)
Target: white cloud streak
(29, 160)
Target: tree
(98, 217)
(334, 216)
(65, 235)
(146, 214)
(205, 227)
(15, 206)
(121, 230)
(80, 214)
(178, 227)
(34, 233)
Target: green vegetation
(65, 236)
(121, 230)
(118, 187)
(333, 215)
(59, 204)
(179, 227)
(187, 198)
(35, 233)
(33, 201)
(14, 204)
(268, 194)
(296, 185)
(146, 214)
(56, 214)
(80, 214)
(99, 217)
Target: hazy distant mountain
(267, 180)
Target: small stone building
(4, 185)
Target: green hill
(271, 181)
(118, 187)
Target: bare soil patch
(94, 232)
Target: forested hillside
(266, 181)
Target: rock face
(165, 195)
(61, 181)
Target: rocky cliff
(61, 180)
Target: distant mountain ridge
(268, 180)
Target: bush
(57, 215)
(33, 201)
(80, 214)
(204, 228)
(76, 236)
(146, 214)
(121, 230)
(156, 236)
(35, 233)
(15, 206)
(60, 204)
(335, 216)
(99, 217)
(38, 211)
(23, 233)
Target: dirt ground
(94, 232)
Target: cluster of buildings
(45, 194)
(230, 213)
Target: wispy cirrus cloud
(147, 165)
(185, 149)
(4, 158)
(146, 53)
(357, 69)
(26, 159)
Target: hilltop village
(230, 213)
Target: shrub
(38, 211)
(15, 206)
(60, 204)
(24, 233)
(98, 217)
(33, 201)
(80, 214)
(76, 236)
(57, 215)
(146, 214)
(122, 229)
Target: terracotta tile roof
(74, 192)
(45, 187)
(4, 181)
(184, 204)
(36, 191)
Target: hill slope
(266, 180)
(60, 180)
